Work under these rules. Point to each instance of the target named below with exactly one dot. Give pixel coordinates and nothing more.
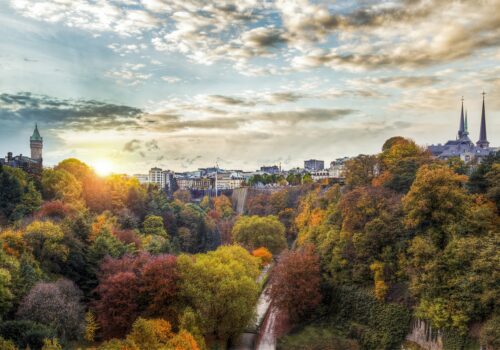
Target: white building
(143, 178)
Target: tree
(361, 170)
(265, 256)
(159, 285)
(223, 207)
(11, 192)
(91, 326)
(46, 242)
(400, 160)
(254, 232)
(153, 225)
(150, 334)
(295, 283)
(30, 202)
(117, 305)
(61, 185)
(380, 286)
(183, 196)
(5, 292)
(437, 203)
(7, 344)
(57, 304)
(221, 287)
(51, 344)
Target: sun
(103, 167)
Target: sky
(182, 84)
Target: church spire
(466, 126)
(462, 122)
(483, 140)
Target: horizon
(179, 86)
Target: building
(462, 147)
(195, 183)
(314, 165)
(156, 177)
(143, 178)
(229, 181)
(272, 170)
(31, 164)
(337, 168)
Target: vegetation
(107, 263)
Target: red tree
(133, 286)
(118, 305)
(159, 285)
(295, 282)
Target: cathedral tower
(36, 145)
(483, 140)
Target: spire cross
(484, 93)
(462, 99)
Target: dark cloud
(407, 81)
(152, 145)
(68, 114)
(228, 100)
(306, 115)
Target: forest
(105, 263)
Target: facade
(31, 164)
(143, 178)
(195, 183)
(314, 165)
(156, 177)
(462, 147)
(337, 167)
(273, 169)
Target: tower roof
(36, 135)
(461, 129)
(482, 133)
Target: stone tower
(36, 145)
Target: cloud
(68, 114)
(171, 79)
(132, 146)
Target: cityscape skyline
(242, 84)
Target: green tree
(11, 192)
(62, 185)
(153, 225)
(46, 241)
(31, 201)
(221, 287)
(5, 292)
(255, 232)
(437, 203)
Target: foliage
(318, 337)
(221, 287)
(26, 333)
(436, 203)
(91, 326)
(51, 344)
(7, 344)
(360, 171)
(131, 286)
(57, 304)
(254, 232)
(61, 185)
(265, 256)
(490, 333)
(295, 283)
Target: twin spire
(463, 129)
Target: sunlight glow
(103, 167)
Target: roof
(36, 135)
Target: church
(31, 164)
(462, 147)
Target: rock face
(424, 336)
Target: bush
(380, 326)
(316, 338)
(26, 333)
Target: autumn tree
(61, 185)
(361, 170)
(255, 231)
(295, 283)
(400, 159)
(221, 287)
(46, 242)
(57, 304)
(265, 256)
(437, 203)
(183, 196)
